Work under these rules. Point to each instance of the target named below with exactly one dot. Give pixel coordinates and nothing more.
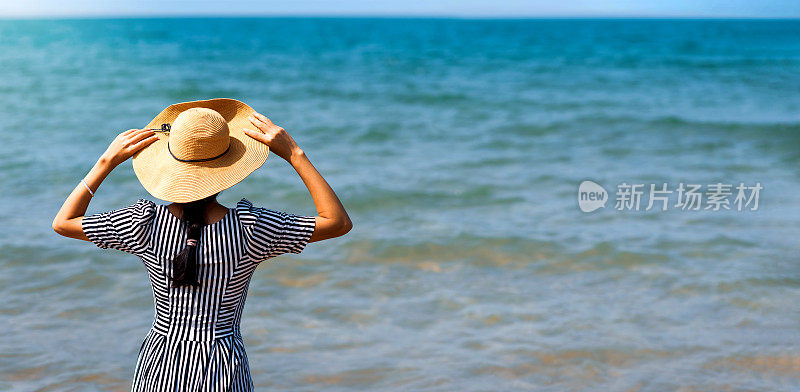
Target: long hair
(184, 265)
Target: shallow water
(457, 147)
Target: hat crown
(199, 133)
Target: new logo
(591, 196)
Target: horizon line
(390, 16)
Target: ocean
(457, 147)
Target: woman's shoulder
(145, 203)
(244, 204)
(140, 209)
(144, 210)
(140, 213)
(247, 212)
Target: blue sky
(464, 8)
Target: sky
(455, 8)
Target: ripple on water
(372, 377)
(764, 365)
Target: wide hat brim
(168, 179)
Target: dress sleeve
(126, 229)
(271, 233)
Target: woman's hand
(275, 137)
(331, 220)
(128, 143)
(69, 219)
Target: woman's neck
(214, 212)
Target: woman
(199, 254)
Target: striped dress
(195, 343)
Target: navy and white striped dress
(195, 343)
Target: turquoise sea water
(457, 147)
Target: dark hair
(184, 265)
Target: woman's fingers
(131, 134)
(260, 124)
(137, 136)
(264, 124)
(253, 134)
(144, 143)
(256, 116)
(262, 118)
(255, 121)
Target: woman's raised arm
(332, 219)
(69, 218)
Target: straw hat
(204, 151)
